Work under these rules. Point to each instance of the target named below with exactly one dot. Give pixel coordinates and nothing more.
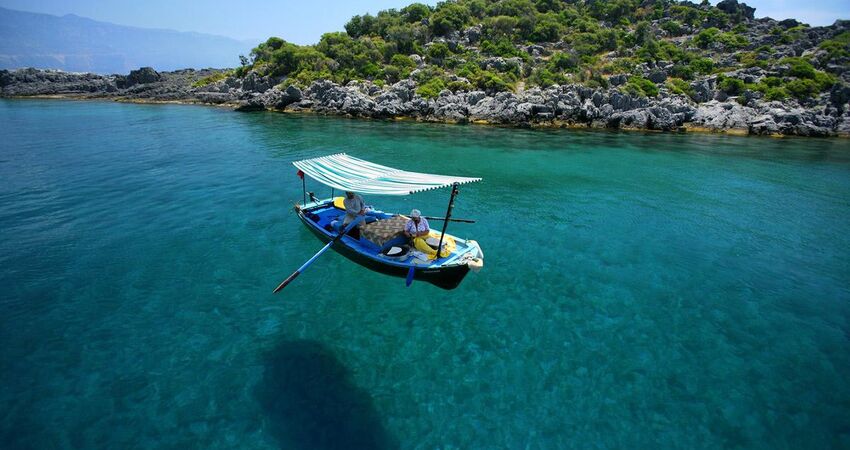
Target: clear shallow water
(640, 290)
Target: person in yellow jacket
(417, 230)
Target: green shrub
(402, 61)
(702, 65)
(824, 80)
(682, 71)
(547, 29)
(679, 86)
(732, 86)
(490, 81)
(561, 61)
(502, 47)
(432, 88)
(802, 88)
(438, 51)
(428, 73)
(799, 67)
(837, 47)
(751, 59)
(771, 81)
(673, 28)
(500, 27)
(392, 73)
(241, 71)
(686, 14)
(731, 40)
(305, 77)
(544, 78)
(706, 37)
(650, 51)
(468, 70)
(620, 65)
(218, 76)
(775, 94)
(638, 85)
(449, 17)
(458, 86)
(415, 12)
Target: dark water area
(639, 290)
(308, 393)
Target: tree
(547, 29)
(263, 52)
(438, 51)
(415, 12)
(513, 8)
(360, 25)
(562, 61)
(449, 17)
(549, 5)
(642, 33)
(403, 36)
(706, 37)
(500, 26)
(650, 51)
(612, 10)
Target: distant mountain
(78, 44)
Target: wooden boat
(382, 246)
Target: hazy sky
(303, 21)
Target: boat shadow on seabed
(312, 403)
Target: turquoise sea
(639, 290)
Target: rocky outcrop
(28, 82)
(145, 75)
(144, 84)
(707, 108)
(733, 8)
(554, 106)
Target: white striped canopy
(348, 173)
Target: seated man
(417, 230)
(354, 206)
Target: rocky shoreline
(556, 106)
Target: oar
(450, 220)
(317, 255)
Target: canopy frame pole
(304, 189)
(448, 216)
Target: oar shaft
(302, 268)
(450, 220)
(318, 254)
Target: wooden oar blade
(286, 281)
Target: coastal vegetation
(217, 76)
(504, 45)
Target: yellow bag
(449, 245)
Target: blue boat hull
(446, 277)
